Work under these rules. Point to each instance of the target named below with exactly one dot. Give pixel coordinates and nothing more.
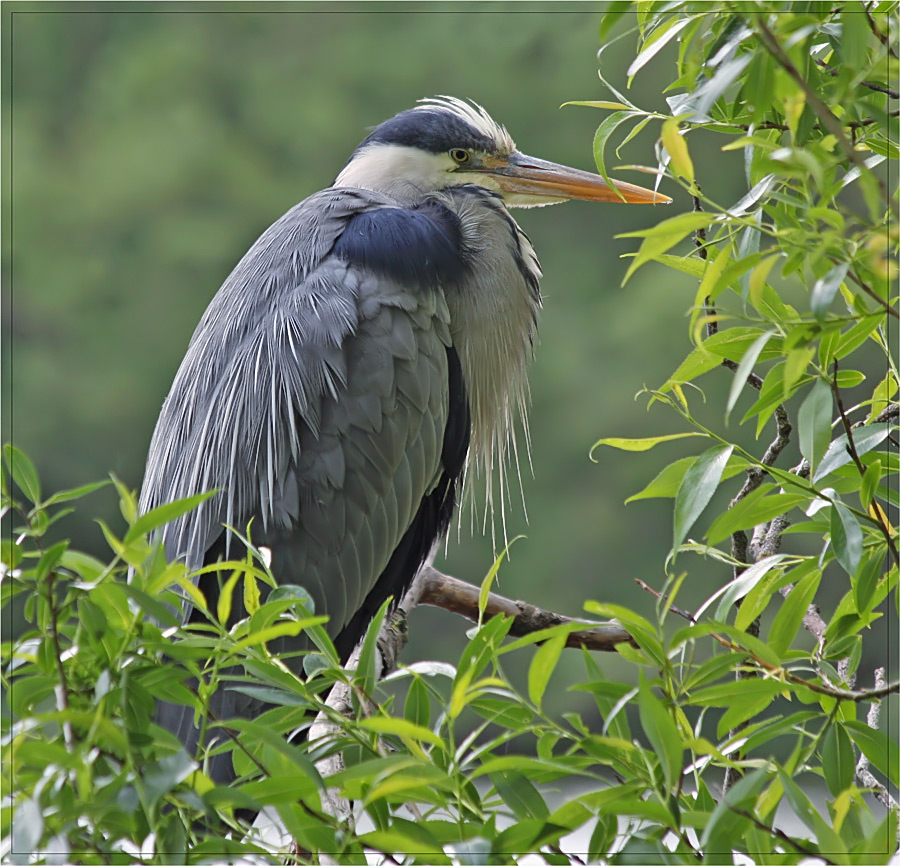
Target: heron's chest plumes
(493, 316)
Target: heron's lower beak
(527, 180)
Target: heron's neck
(493, 323)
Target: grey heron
(369, 346)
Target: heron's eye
(459, 156)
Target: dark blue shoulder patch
(418, 247)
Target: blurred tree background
(151, 147)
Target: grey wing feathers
(314, 395)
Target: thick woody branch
(434, 588)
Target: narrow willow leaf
(23, 472)
(223, 606)
(789, 618)
(882, 395)
(663, 237)
(519, 794)
(417, 708)
(878, 747)
(677, 148)
(838, 454)
(870, 483)
(639, 444)
(542, 666)
(795, 366)
(750, 512)
(814, 422)
(601, 136)
(656, 43)
(757, 282)
(697, 488)
(744, 582)
(825, 289)
(164, 514)
(846, 537)
(838, 759)
(597, 103)
(744, 369)
(666, 482)
(401, 728)
(662, 732)
(485, 591)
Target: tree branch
(436, 589)
(877, 514)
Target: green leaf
(838, 760)
(814, 422)
(745, 582)
(23, 472)
(754, 509)
(657, 41)
(542, 666)
(163, 775)
(223, 605)
(417, 708)
(846, 537)
(809, 815)
(366, 673)
(639, 444)
(747, 691)
(485, 590)
(825, 289)
(663, 236)
(662, 732)
(690, 265)
(597, 103)
(744, 369)
(789, 618)
(878, 747)
(677, 149)
(74, 493)
(864, 440)
(604, 131)
(666, 482)
(865, 585)
(164, 514)
(519, 794)
(697, 488)
(401, 728)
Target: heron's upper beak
(528, 180)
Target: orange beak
(528, 180)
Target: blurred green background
(149, 150)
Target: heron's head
(445, 142)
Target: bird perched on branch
(368, 348)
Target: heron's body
(372, 340)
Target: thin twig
(891, 311)
(879, 88)
(877, 513)
(780, 834)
